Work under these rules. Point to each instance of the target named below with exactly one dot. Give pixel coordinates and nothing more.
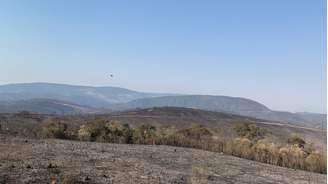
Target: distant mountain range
(98, 97)
(46, 106)
(69, 99)
(232, 105)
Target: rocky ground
(59, 161)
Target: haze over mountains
(69, 99)
(83, 95)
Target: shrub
(284, 156)
(196, 132)
(118, 133)
(273, 151)
(195, 137)
(145, 134)
(316, 162)
(105, 131)
(93, 131)
(309, 148)
(261, 152)
(296, 140)
(54, 129)
(250, 131)
(297, 154)
(166, 131)
(242, 147)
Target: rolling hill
(45, 106)
(98, 97)
(70, 99)
(233, 105)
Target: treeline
(251, 143)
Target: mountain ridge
(46, 106)
(98, 97)
(106, 99)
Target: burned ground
(40, 161)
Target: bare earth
(37, 161)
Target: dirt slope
(36, 161)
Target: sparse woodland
(251, 142)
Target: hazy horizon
(271, 52)
(163, 92)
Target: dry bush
(84, 133)
(118, 133)
(250, 131)
(242, 147)
(145, 134)
(309, 148)
(295, 139)
(105, 131)
(284, 156)
(316, 162)
(299, 155)
(261, 152)
(54, 129)
(291, 156)
(196, 132)
(273, 150)
(195, 137)
(93, 131)
(166, 131)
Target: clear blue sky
(269, 51)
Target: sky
(273, 52)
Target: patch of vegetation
(251, 143)
(54, 129)
(145, 134)
(106, 131)
(196, 132)
(250, 131)
(294, 139)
